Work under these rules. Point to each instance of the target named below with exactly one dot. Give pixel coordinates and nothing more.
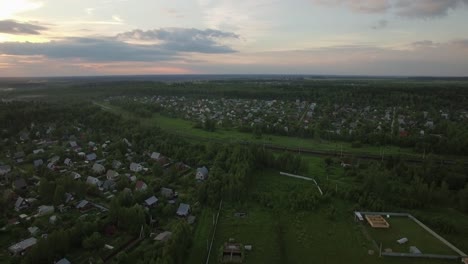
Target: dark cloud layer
(171, 44)
(404, 8)
(20, 28)
(184, 39)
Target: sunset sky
(337, 37)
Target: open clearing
(284, 236)
(401, 227)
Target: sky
(323, 37)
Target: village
(301, 118)
(86, 179)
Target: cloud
(380, 24)
(364, 6)
(9, 9)
(117, 18)
(424, 44)
(172, 43)
(427, 8)
(20, 28)
(184, 39)
(403, 8)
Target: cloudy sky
(352, 37)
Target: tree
(463, 199)
(93, 242)
(59, 195)
(46, 190)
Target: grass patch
(405, 227)
(203, 233)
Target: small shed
(402, 241)
(164, 236)
(202, 174)
(152, 201)
(183, 210)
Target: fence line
(302, 178)
(422, 225)
(214, 232)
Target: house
(68, 162)
(429, 124)
(116, 164)
(73, 144)
(37, 151)
(92, 181)
(167, 193)
(98, 168)
(22, 246)
(91, 157)
(19, 184)
(63, 261)
(155, 155)
(164, 236)
(54, 159)
(33, 230)
(4, 169)
(24, 136)
(135, 167)
(53, 219)
(183, 210)
(83, 205)
(51, 166)
(75, 175)
(45, 210)
(38, 163)
(140, 186)
(202, 174)
(111, 174)
(20, 204)
(152, 201)
(108, 185)
(69, 197)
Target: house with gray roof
(20, 204)
(167, 193)
(22, 246)
(92, 181)
(98, 168)
(111, 174)
(4, 169)
(152, 201)
(38, 162)
(202, 174)
(135, 167)
(63, 261)
(91, 157)
(183, 210)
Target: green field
(185, 128)
(284, 236)
(405, 227)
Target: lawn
(405, 227)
